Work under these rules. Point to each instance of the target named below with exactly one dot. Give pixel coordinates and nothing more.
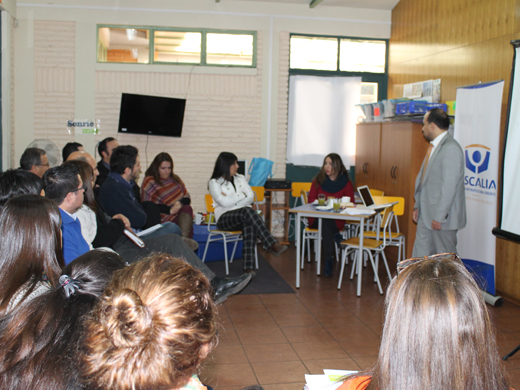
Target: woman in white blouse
(233, 198)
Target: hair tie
(69, 285)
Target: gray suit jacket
(441, 196)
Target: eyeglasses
(44, 165)
(441, 256)
(84, 188)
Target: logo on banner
(477, 161)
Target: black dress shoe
(224, 287)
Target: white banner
(477, 129)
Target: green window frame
(366, 77)
(101, 54)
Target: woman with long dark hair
(40, 338)
(332, 181)
(233, 198)
(162, 186)
(31, 258)
(437, 333)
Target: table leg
(297, 239)
(318, 251)
(360, 255)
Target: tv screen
(151, 115)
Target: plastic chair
(259, 193)
(395, 237)
(224, 236)
(377, 246)
(376, 192)
(297, 188)
(308, 233)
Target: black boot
(224, 287)
(329, 265)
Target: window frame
(366, 77)
(203, 45)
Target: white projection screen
(509, 204)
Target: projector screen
(509, 210)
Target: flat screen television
(151, 115)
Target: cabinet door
(368, 149)
(396, 142)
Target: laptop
(368, 201)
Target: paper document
(149, 230)
(357, 211)
(134, 238)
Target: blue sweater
(74, 244)
(117, 197)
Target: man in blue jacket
(63, 185)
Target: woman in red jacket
(332, 180)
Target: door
(368, 149)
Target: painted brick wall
(283, 103)
(223, 113)
(54, 80)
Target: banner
(477, 129)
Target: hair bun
(128, 320)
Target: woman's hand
(175, 208)
(125, 220)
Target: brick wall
(54, 80)
(223, 113)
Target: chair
(224, 236)
(395, 237)
(308, 234)
(376, 192)
(259, 193)
(370, 245)
(297, 188)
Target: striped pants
(252, 226)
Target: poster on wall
(477, 129)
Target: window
(343, 57)
(154, 45)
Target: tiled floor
(274, 340)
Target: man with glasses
(63, 185)
(34, 160)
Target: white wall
(244, 111)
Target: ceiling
(370, 4)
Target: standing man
(440, 200)
(34, 160)
(63, 185)
(105, 148)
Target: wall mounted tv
(151, 115)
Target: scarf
(335, 186)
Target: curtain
(322, 119)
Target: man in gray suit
(440, 200)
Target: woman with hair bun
(152, 329)
(40, 337)
(437, 332)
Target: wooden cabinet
(368, 156)
(400, 151)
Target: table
(284, 207)
(309, 210)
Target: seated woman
(153, 328)
(30, 249)
(40, 338)
(233, 198)
(437, 333)
(165, 188)
(332, 180)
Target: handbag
(260, 170)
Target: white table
(310, 211)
